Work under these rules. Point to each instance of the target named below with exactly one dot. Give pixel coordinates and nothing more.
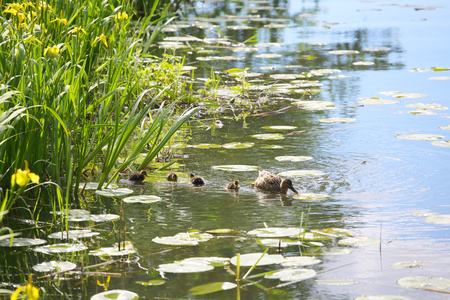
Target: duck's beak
(292, 189)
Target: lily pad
(315, 236)
(237, 145)
(61, 248)
(407, 264)
(213, 261)
(441, 143)
(113, 251)
(54, 266)
(73, 234)
(336, 251)
(184, 238)
(114, 192)
(336, 281)
(268, 55)
(335, 232)
(115, 294)
(337, 120)
(440, 78)
(343, 52)
(268, 136)
(172, 241)
(93, 185)
(212, 287)
(250, 259)
(22, 242)
(279, 127)
(419, 136)
(376, 101)
(272, 147)
(293, 158)
(78, 215)
(301, 173)
(275, 243)
(104, 218)
(205, 146)
(292, 274)
(276, 232)
(142, 199)
(222, 231)
(311, 196)
(381, 297)
(297, 261)
(426, 106)
(447, 127)
(284, 76)
(363, 63)
(438, 219)
(420, 282)
(359, 241)
(315, 105)
(153, 282)
(376, 49)
(396, 94)
(185, 267)
(236, 168)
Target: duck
(196, 180)
(273, 183)
(172, 176)
(233, 185)
(138, 177)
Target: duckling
(172, 176)
(233, 185)
(196, 180)
(273, 183)
(138, 177)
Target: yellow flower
(23, 25)
(61, 21)
(32, 38)
(121, 16)
(15, 6)
(21, 17)
(11, 11)
(102, 38)
(52, 51)
(17, 292)
(32, 292)
(22, 177)
(28, 3)
(76, 29)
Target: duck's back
(268, 181)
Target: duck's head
(192, 175)
(287, 184)
(143, 172)
(236, 183)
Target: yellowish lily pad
(419, 136)
(301, 173)
(236, 168)
(293, 158)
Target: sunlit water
(377, 183)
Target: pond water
(380, 183)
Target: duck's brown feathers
(196, 180)
(172, 176)
(233, 185)
(270, 182)
(138, 177)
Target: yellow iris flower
(22, 177)
(121, 16)
(32, 292)
(102, 38)
(51, 51)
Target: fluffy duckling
(138, 177)
(172, 176)
(273, 183)
(196, 180)
(233, 185)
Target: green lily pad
(336, 251)
(93, 185)
(315, 105)
(315, 236)
(293, 158)
(273, 232)
(22, 242)
(104, 218)
(114, 192)
(205, 146)
(336, 281)
(61, 248)
(212, 287)
(301, 173)
(359, 241)
(185, 267)
(420, 282)
(275, 243)
(298, 261)
(268, 136)
(236, 168)
(142, 199)
(250, 259)
(222, 231)
(426, 106)
(292, 274)
(73, 234)
(419, 136)
(335, 232)
(153, 282)
(116, 294)
(284, 76)
(376, 101)
(268, 55)
(407, 264)
(54, 266)
(311, 196)
(441, 143)
(78, 215)
(323, 72)
(279, 127)
(213, 261)
(396, 94)
(363, 63)
(447, 127)
(438, 219)
(337, 120)
(440, 78)
(184, 238)
(343, 52)
(276, 26)
(113, 251)
(272, 147)
(237, 145)
(172, 241)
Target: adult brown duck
(233, 185)
(196, 180)
(138, 177)
(270, 182)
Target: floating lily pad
(268, 55)
(276, 26)
(447, 127)
(172, 241)
(396, 94)
(60, 248)
(407, 264)
(142, 199)
(73, 234)
(93, 185)
(440, 78)
(438, 219)
(213, 58)
(376, 101)
(441, 143)
(115, 294)
(420, 282)
(236, 168)
(293, 158)
(335, 232)
(113, 251)
(298, 261)
(359, 241)
(336, 251)
(153, 282)
(250, 259)
(315, 105)
(185, 267)
(278, 242)
(343, 52)
(276, 232)
(421, 112)
(426, 106)
(104, 218)
(311, 196)
(184, 238)
(337, 120)
(376, 49)
(205, 146)
(315, 236)
(323, 72)
(363, 63)
(268, 136)
(213, 261)
(237, 145)
(301, 173)
(292, 274)
(419, 136)
(78, 215)
(284, 76)
(114, 192)
(336, 281)
(182, 39)
(22, 242)
(420, 70)
(381, 297)
(54, 266)
(268, 45)
(272, 147)
(222, 231)
(212, 287)
(279, 127)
